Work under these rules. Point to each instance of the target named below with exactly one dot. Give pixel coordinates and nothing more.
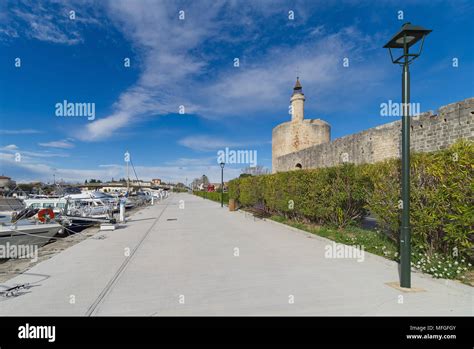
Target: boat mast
(127, 160)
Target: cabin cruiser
(124, 198)
(99, 196)
(56, 204)
(26, 233)
(87, 208)
(129, 204)
(158, 194)
(94, 203)
(77, 211)
(140, 198)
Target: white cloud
(19, 132)
(48, 21)
(10, 147)
(173, 63)
(41, 24)
(258, 88)
(207, 143)
(31, 156)
(44, 172)
(185, 162)
(164, 42)
(63, 144)
(175, 71)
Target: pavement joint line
(94, 306)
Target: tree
(198, 181)
(195, 183)
(27, 187)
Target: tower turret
(297, 102)
(299, 133)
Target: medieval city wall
(429, 132)
(292, 136)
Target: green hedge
(442, 193)
(212, 195)
(335, 196)
(442, 196)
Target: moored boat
(26, 233)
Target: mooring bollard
(122, 211)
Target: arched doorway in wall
(298, 166)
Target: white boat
(26, 234)
(56, 204)
(94, 203)
(92, 208)
(129, 203)
(97, 196)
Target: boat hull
(34, 234)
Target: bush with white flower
(440, 266)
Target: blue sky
(190, 63)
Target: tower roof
(298, 88)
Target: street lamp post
(404, 39)
(222, 183)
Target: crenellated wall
(429, 132)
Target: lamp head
(409, 34)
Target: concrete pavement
(205, 260)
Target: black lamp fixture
(222, 164)
(408, 36)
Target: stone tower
(297, 102)
(299, 133)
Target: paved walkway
(172, 261)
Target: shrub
(442, 192)
(445, 267)
(344, 198)
(333, 196)
(212, 195)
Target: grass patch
(372, 241)
(446, 267)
